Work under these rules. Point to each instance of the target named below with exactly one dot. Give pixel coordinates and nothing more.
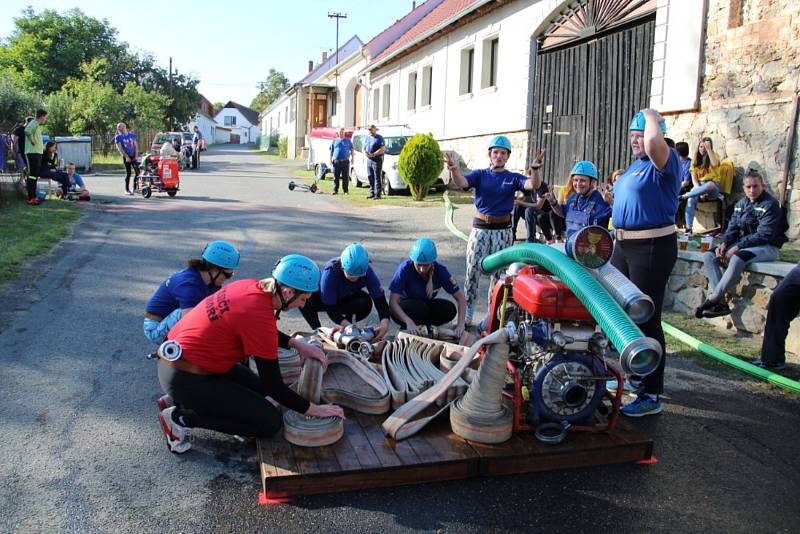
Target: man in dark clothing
(374, 147)
(784, 305)
(753, 234)
(19, 144)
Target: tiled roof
(383, 40)
(345, 51)
(444, 10)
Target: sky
(230, 46)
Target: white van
(395, 138)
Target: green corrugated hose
(708, 350)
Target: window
(489, 68)
(358, 143)
(270, 125)
(230, 120)
(376, 103)
(387, 100)
(427, 85)
(279, 119)
(286, 113)
(467, 62)
(412, 91)
(332, 103)
(292, 109)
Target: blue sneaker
(643, 405)
(628, 386)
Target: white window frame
(466, 79)
(386, 100)
(376, 103)
(427, 86)
(412, 91)
(490, 57)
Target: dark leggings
(434, 312)
(784, 305)
(232, 403)
(648, 264)
(59, 176)
(128, 166)
(34, 168)
(359, 304)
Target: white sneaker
(177, 435)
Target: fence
(105, 143)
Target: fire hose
(401, 424)
(319, 432)
(408, 370)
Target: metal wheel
(147, 192)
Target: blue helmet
(500, 141)
(221, 254)
(638, 122)
(355, 260)
(298, 272)
(423, 251)
(584, 168)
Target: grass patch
(358, 195)
(31, 231)
(271, 154)
(792, 255)
(110, 164)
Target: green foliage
(47, 48)
(59, 111)
(15, 102)
(145, 110)
(420, 164)
(269, 90)
(182, 90)
(283, 147)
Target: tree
(420, 164)
(182, 91)
(145, 110)
(270, 90)
(15, 102)
(48, 48)
(59, 111)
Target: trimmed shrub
(283, 147)
(420, 164)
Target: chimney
(413, 5)
(324, 57)
(310, 65)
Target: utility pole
(171, 99)
(337, 16)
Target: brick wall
(751, 71)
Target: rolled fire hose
(376, 403)
(290, 364)
(480, 415)
(639, 355)
(401, 424)
(408, 370)
(305, 431)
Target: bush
(420, 164)
(283, 147)
(15, 102)
(273, 140)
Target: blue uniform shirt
(581, 211)
(198, 135)
(494, 191)
(686, 175)
(333, 286)
(128, 142)
(184, 289)
(645, 197)
(371, 144)
(408, 283)
(340, 148)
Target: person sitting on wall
(753, 234)
(586, 206)
(784, 305)
(705, 180)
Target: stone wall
(688, 286)
(473, 150)
(751, 72)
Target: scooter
(302, 187)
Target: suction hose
(639, 355)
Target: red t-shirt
(224, 328)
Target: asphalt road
(81, 449)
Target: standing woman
(645, 199)
(495, 189)
(705, 179)
(129, 150)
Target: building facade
(242, 121)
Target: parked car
(395, 138)
(160, 137)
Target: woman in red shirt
(209, 384)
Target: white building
(242, 121)
(207, 126)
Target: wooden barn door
(588, 88)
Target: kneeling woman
(413, 289)
(210, 386)
(586, 205)
(342, 294)
(183, 290)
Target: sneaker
(717, 310)
(34, 202)
(469, 316)
(335, 193)
(370, 196)
(628, 386)
(643, 405)
(769, 366)
(164, 402)
(130, 193)
(700, 310)
(177, 435)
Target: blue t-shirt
(333, 286)
(184, 289)
(600, 212)
(340, 148)
(494, 191)
(128, 142)
(198, 135)
(371, 144)
(77, 180)
(645, 197)
(408, 283)
(686, 175)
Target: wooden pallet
(364, 458)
